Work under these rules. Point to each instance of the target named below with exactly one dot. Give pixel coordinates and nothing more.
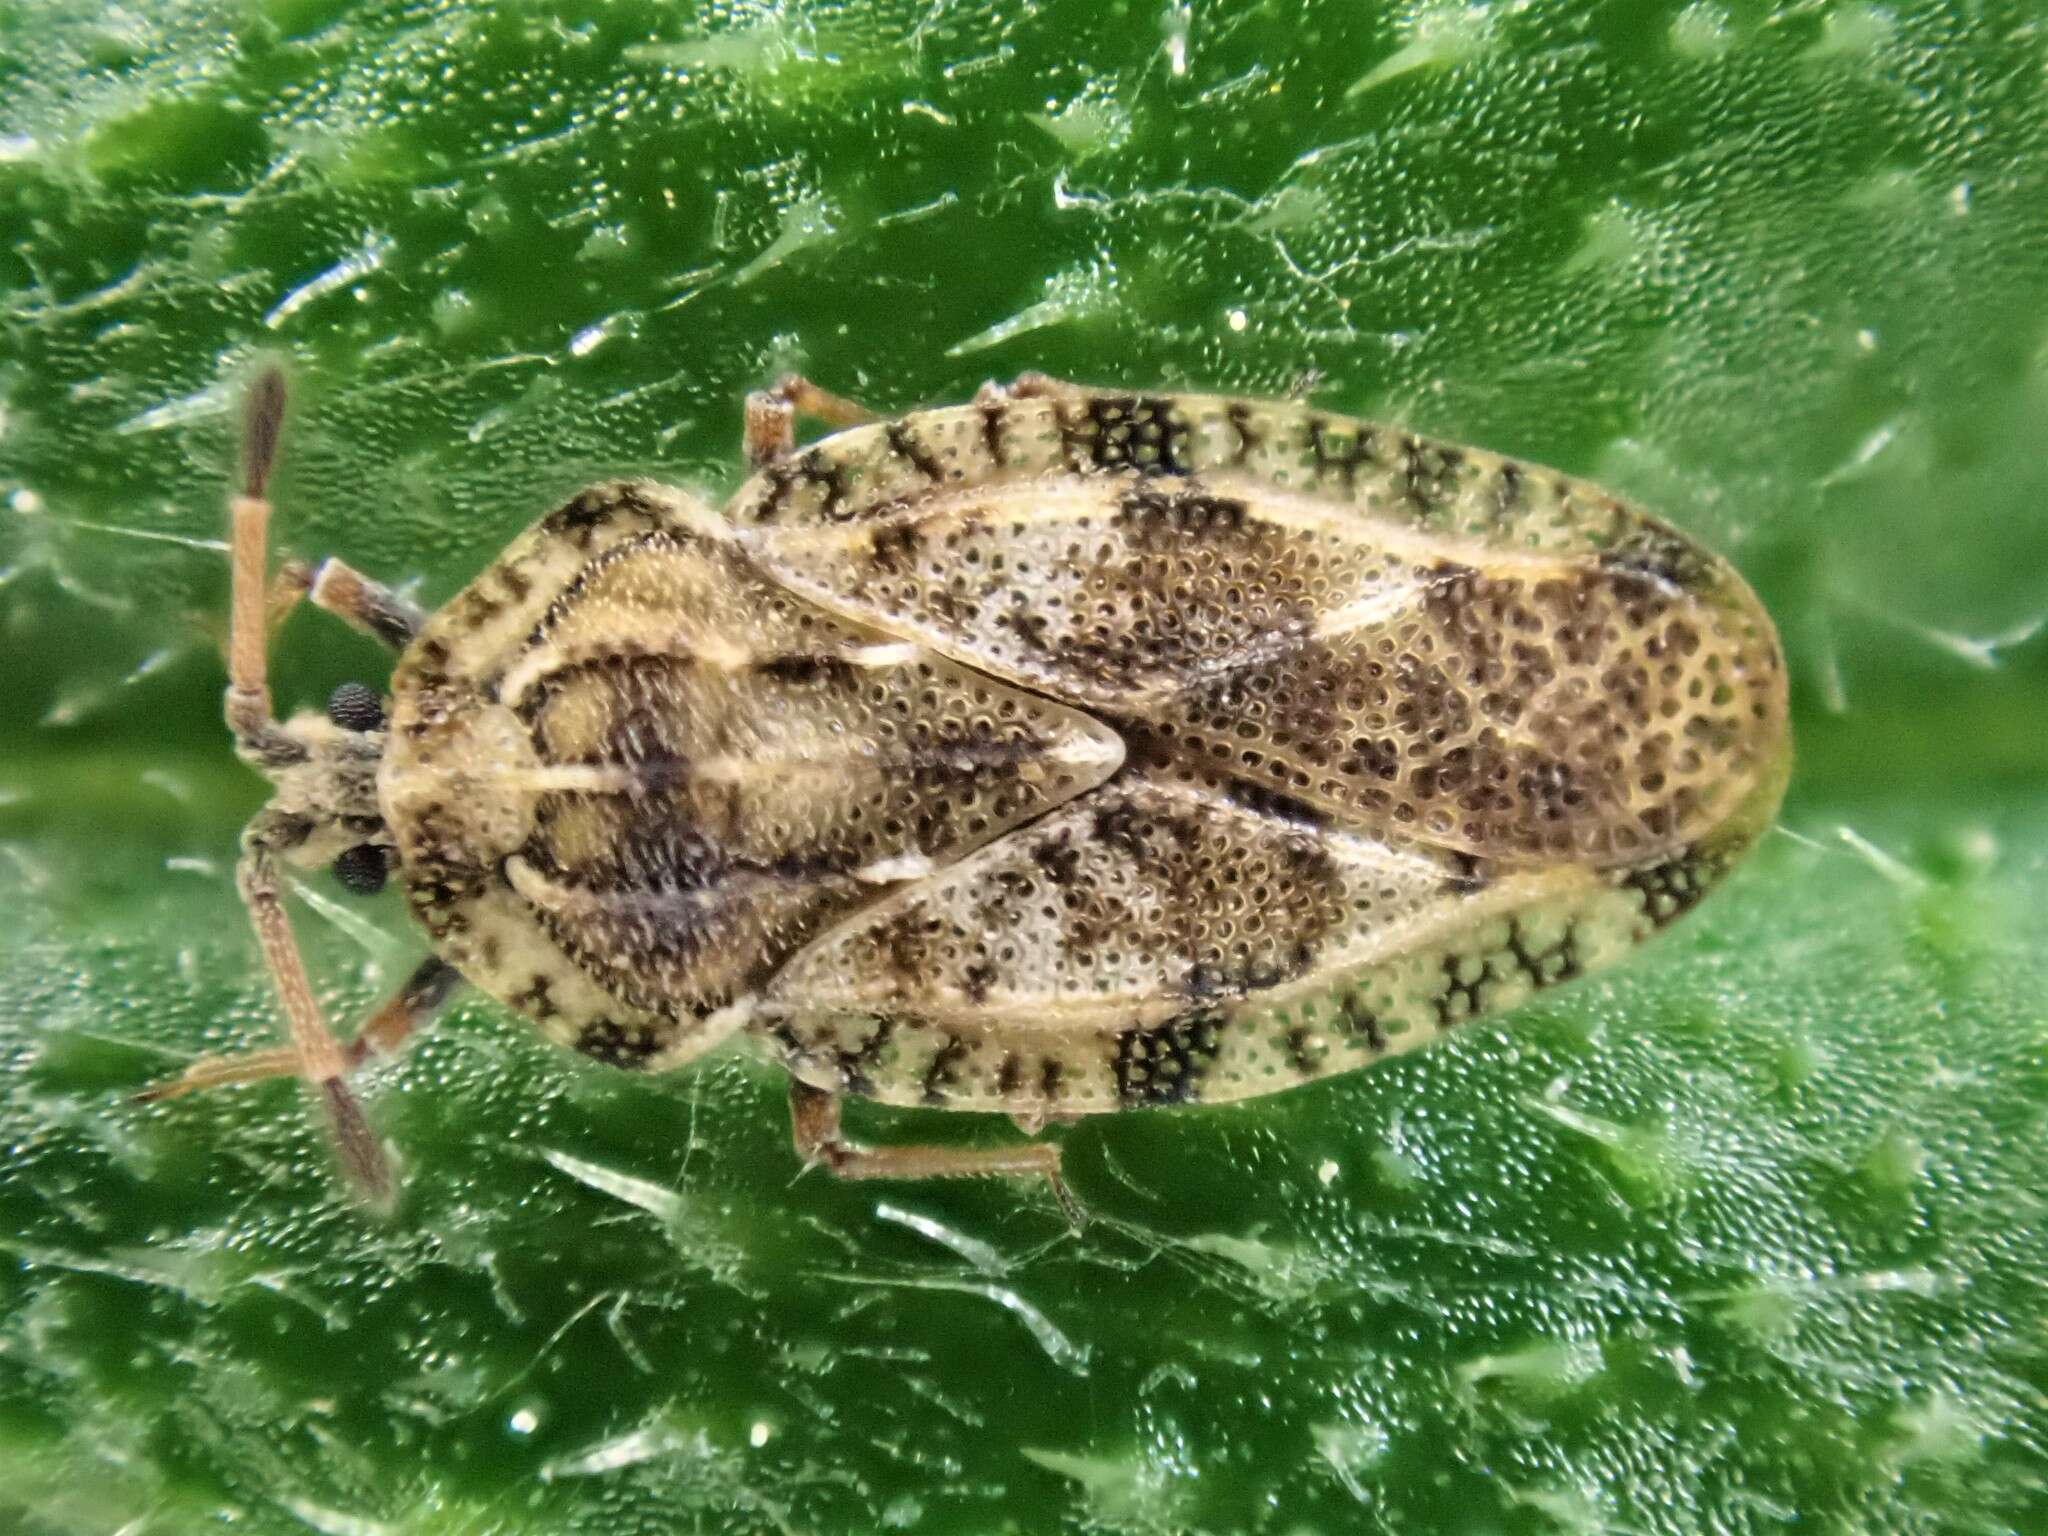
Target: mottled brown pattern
(1077, 753)
(1138, 898)
(1166, 1063)
(1341, 454)
(703, 775)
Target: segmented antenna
(248, 701)
(260, 428)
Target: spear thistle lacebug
(1063, 752)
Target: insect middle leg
(772, 414)
(814, 1126)
(384, 1033)
(363, 604)
(1029, 386)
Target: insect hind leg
(772, 414)
(814, 1126)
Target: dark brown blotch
(856, 1067)
(584, 514)
(1647, 552)
(808, 667)
(1030, 628)
(1052, 1080)
(1376, 757)
(1507, 490)
(427, 663)
(536, 1000)
(1673, 888)
(619, 1045)
(1274, 805)
(1145, 435)
(1245, 439)
(942, 1073)
(1342, 456)
(1460, 998)
(1165, 1063)
(977, 981)
(1060, 861)
(1544, 967)
(1363, 1022)
(1428, 474)
(819, 469)
(1470, 874)
(1186, 514)
(894, 547)
(906, 945)
(441, 881)
(1119, 827)
(1305, 1051)
(781, 482)
(908, 446)
(514, 582)
(995, 428)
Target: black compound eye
(363, 869)
(355, 708)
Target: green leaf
(1744, 1236)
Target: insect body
(1063, 752)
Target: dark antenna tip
(262, 422)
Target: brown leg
(287, 590)
(349, 595)
(366, 605)
(1032, 1121)
(814, 1126)
(772, 414)
(319, 1059)
(384, 1033)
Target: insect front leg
(319, 1056)
(384, 1033)
(772, 414)
(814, 1126)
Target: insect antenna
(259, 737)
(248, 700)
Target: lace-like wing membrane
(1410, 729)
(1076, 753)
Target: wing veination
(1152, 944)
(1102, 591)
(1135, 902)
(1511, 705)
